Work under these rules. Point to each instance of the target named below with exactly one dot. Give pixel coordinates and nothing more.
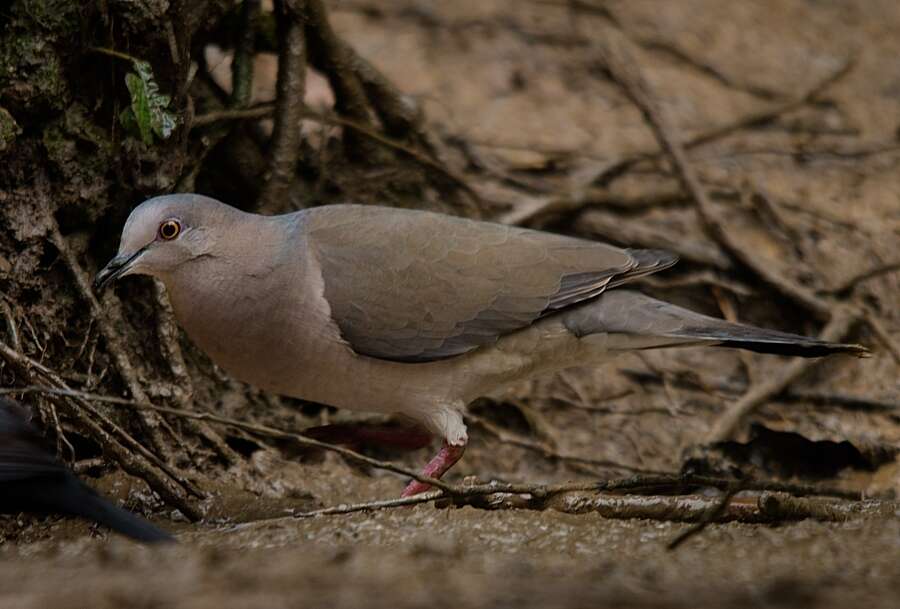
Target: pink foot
(437, 467)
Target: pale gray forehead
(189, 208)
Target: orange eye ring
(169, 229)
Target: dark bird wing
(415, 286)
(32, 480)
(22, 451)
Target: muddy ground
(513, 91)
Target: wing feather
(416, 286)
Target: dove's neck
(245, 303)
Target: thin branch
(706, 278)
(398, 112)
(768, 507)
(233, 114)
(782, 506)
(612, 227)
(877, 271)
(371, 506)
(114, 53)
(711, 515)
(625, 70)
(881, 332)
(687, 380)
(12, 330)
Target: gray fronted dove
(390, 310)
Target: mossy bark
(68, 163)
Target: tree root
(620, 60)
(151, 422)
(291, 86)
(168, 335)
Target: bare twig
(706, 278)
(877, 271)
(560, 203)
(62, 442)
(395, 145)
(250, 427)
(579, 499)
(114, 53)
(881, 332)
(398, 112)
(626, 72)
(690, 508)
(750, 120)
(371, 506)
(711, 515)
(729, 311)
(233, 114)
(782, 506)
(612, 227)
(12, 331)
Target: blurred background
(517, 111)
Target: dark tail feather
(84, 502)
(761, 340)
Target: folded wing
(414, 286)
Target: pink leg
(437, 467)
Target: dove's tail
(640, 322)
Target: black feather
(33, 480)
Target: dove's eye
(169, 229)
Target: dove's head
(165, 233)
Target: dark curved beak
(115, 268)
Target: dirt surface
(424, 557)
(514, 93)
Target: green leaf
(148, 113)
